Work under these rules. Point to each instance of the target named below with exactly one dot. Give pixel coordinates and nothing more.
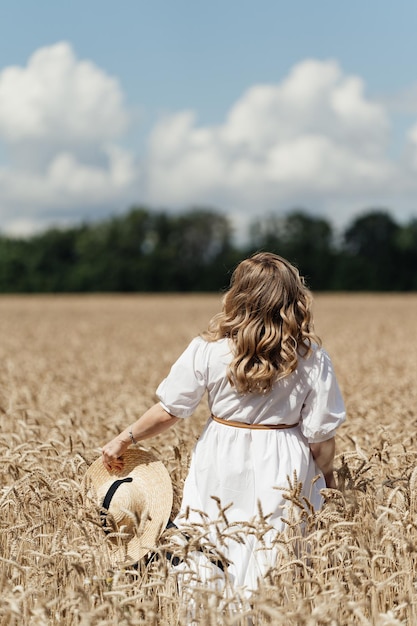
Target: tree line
(195, 251)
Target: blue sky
(251, 107)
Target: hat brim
(152, 482)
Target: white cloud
(316, 98)
(313, 140)
(68, 186)
(60, 121)
(403, 102)
(74, 179)
(60, 99)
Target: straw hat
(135, 503)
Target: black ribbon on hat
(107, 500)
(176, 560)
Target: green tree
(111, 253)
(303, 239)
(406, 243)
(190, 251)
(14, 254)
(144, 250)
(371, 253)
(50, 259)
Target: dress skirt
(250, 469)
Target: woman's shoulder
(200, 343)
(202, 340)
(209, 350)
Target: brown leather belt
(219, 420)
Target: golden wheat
(74, 370)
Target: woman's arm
(153, 422)
(323, 454)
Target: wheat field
(75, 370)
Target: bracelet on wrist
(132, 439)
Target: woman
(275, 407)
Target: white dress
(245, 466)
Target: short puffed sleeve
(181, 391)
(323, 409)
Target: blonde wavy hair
(267, 315)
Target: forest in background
(195, 251)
